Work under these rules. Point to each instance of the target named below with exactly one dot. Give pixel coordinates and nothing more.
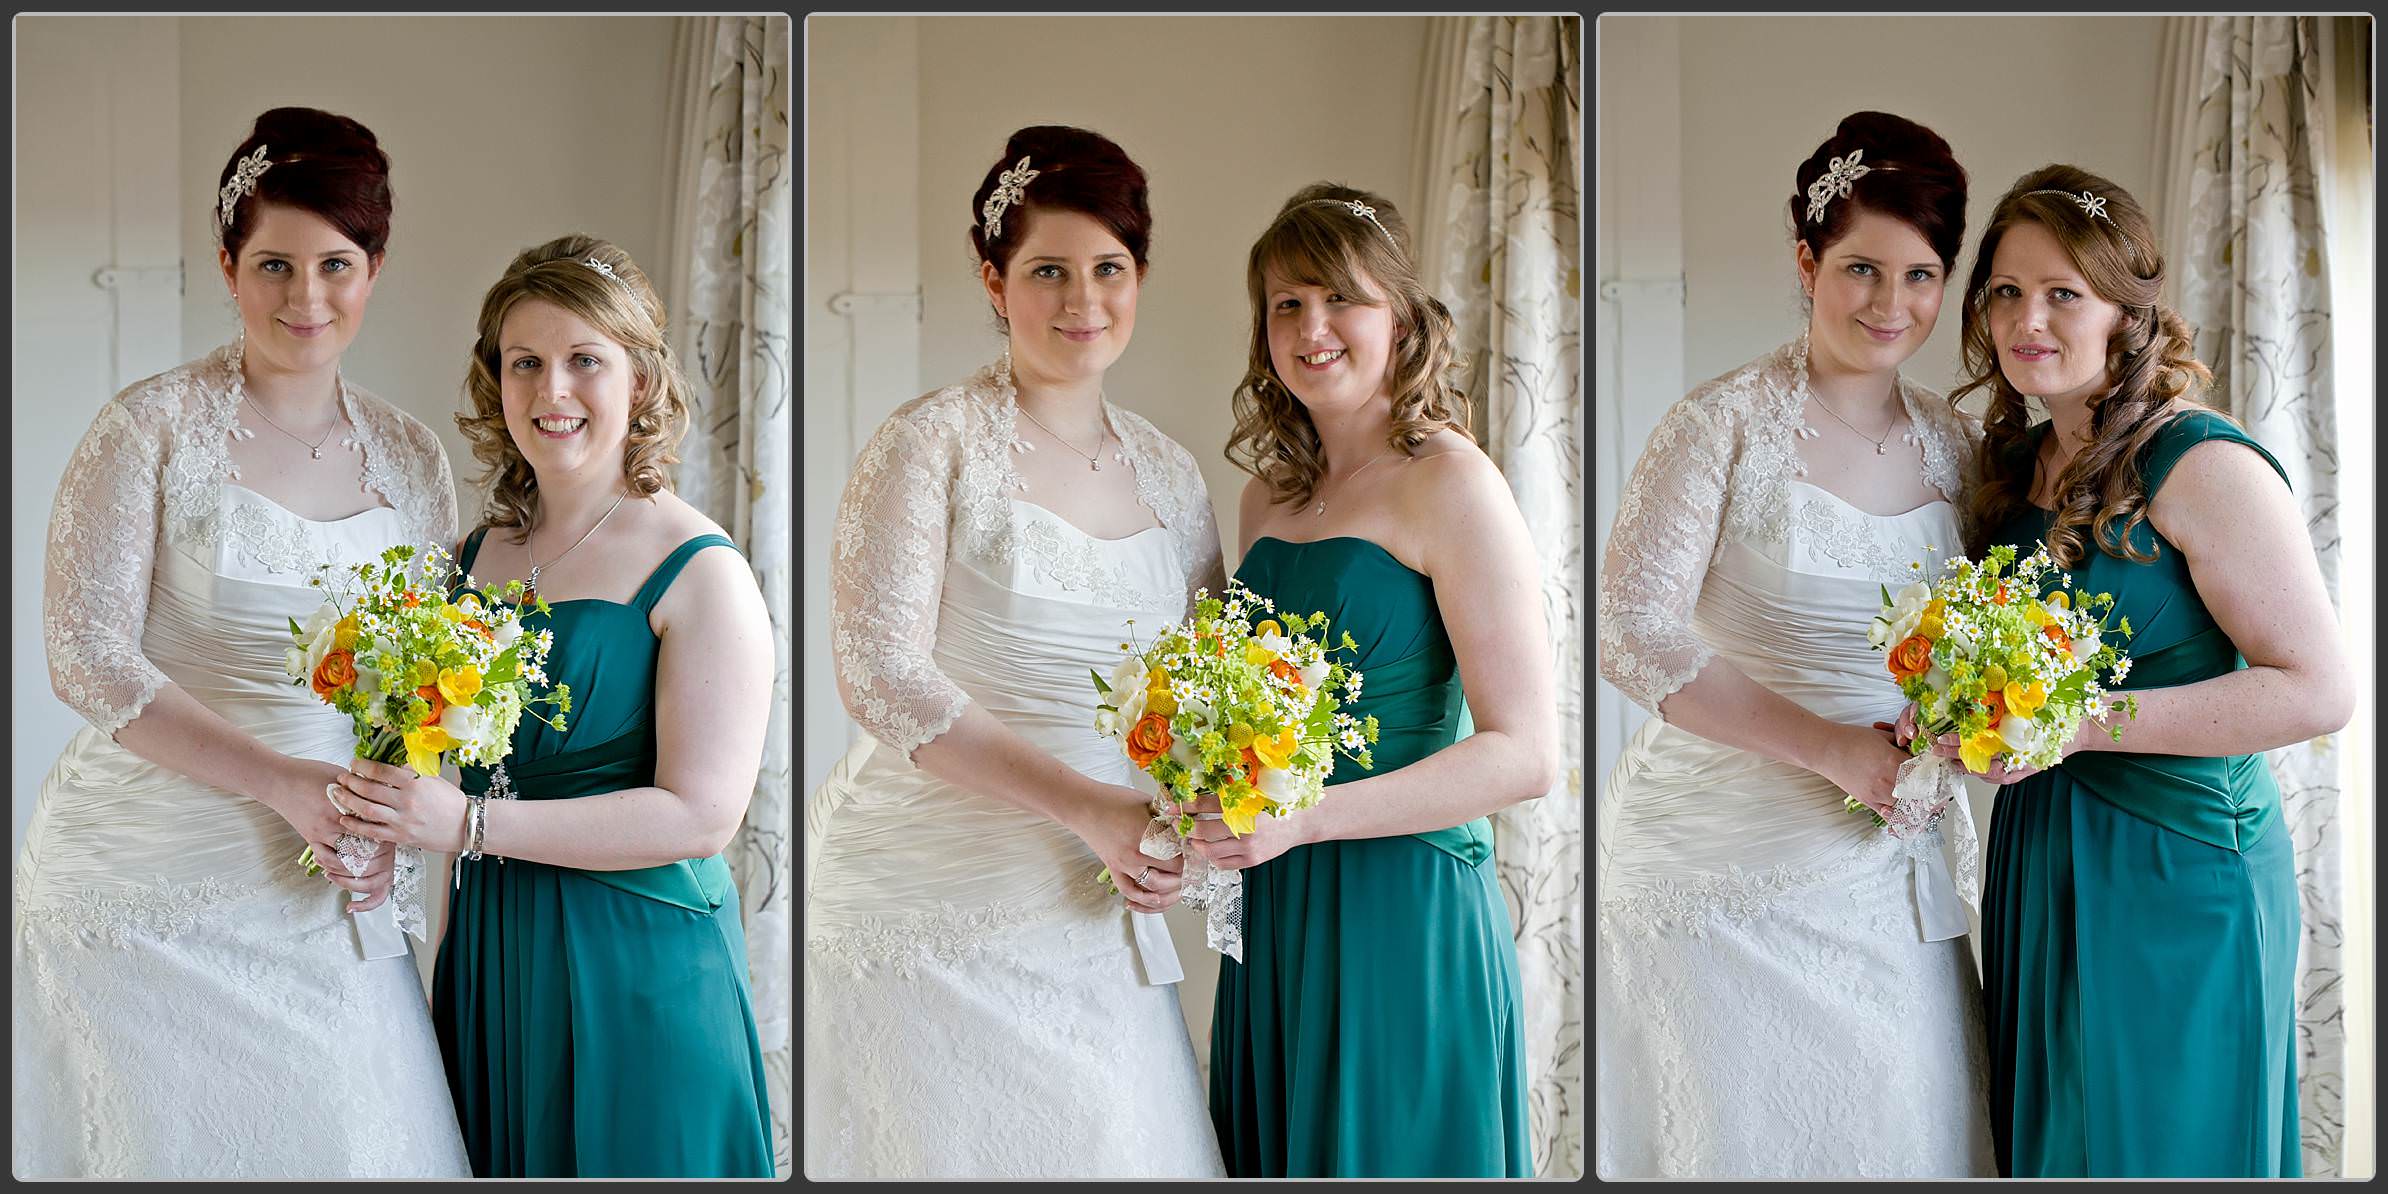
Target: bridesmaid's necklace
(1321, 511)
(530, 547)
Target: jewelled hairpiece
(603, 268)
(242, 183)
(1835, 182)
(1010, 187)
(2088, 201)
(1365, 212)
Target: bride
(1783, 989)
(187, 1003)
(976, 1005)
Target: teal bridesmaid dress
(1373, 1028)
(598, 1023)
(2140, 917)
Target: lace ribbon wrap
(1927, 791)
(1216, 892)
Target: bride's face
(567, 391)
(2050, 328)
(1069, 295)
(302, 286)
(1876, 294)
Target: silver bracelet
(480, 824)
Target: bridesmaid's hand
(1271, 836)
(374, 884)
(393, 804)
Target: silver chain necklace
(530, 539)
(1321, 511)
(1881, 445)
(314, 449)
(1093, 465)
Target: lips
(558, 426)
(2031, 352)
(304, 330)
(1080, 335)
(1879, 334)
(1324, 359)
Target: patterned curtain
(732, 313)
(2254, 279)
(1501, 139)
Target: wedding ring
(331, 792)
(1143, 875)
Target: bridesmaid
(2139, 910)
(1374, 1029)
(591, 993)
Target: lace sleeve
(885, 578)
(1209, 570)
(95, 579)
(1658, 554)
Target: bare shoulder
(1252, 512)
(1449, 470)
(714, 583)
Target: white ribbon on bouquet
(1928, 794)
(378, 935)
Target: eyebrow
(280, 253)
(2038, 281)
(1911, 265)
(1099, 257)
(580, 344)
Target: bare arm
(712, 706)
(2238, 527)
(1488, 587)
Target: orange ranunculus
(2000, 597)
(1912, 657)
(439, 704)
(337, 671)
(411, 598)
(2057, 635)
(487, 635)
(1285, 671)
(1996, 702)
(1149, 739)
(1251, 765)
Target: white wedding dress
(975, 1005)
(187, 1004)
(1768, 1004)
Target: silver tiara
(1010, 188)
(603, 268)
(1365, 212)
(242, 183)
(1835, 182)
(2088, 201)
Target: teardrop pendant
(1880, 450)
(1094, 466)
(316, 452)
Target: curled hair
(2151, 365)
(625, 308)
(319, 162)
(1076, 170)
(1911, 176)
(1318, 240)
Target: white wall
(502, 132)
(1227, 115)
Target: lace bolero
(1718, 468)
(150, 473)
(934, 484)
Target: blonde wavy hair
(2151, 364)
(1318, 240)
(625, 308)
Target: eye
(2063, 295)
(1920, 275)
(2003, 290)
(1110, 269)
(274, 265)
(586, 361)
(1288, 304)
(1337, 298)
(518, 363)
(1861, 269)
(1048, 271)
(336, 265)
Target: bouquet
(2006, 658)
(422, 677)
(1249, 712)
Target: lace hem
(946, 937)
(118, 915)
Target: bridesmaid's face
(1334, 350)
(1876, 294)
(302, 286)
(1069, 295)
(2050, 328)
(567, 391)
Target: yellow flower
(1267, 627)
(1994, 678)
(1239, 735)
(452, 613)
(460, 685)
(423, 748)
(1240, 807)
(1934, 623)
(1279, 751)
(425, 672)
(1979, 750)
(2026, 701)
(1159, 701)
(2060, 599)
(344, 634)
(1257, 655)
(2037, 614)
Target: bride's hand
(308, 810)
(393, 804)
(1114, 829)
(1863, 763)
